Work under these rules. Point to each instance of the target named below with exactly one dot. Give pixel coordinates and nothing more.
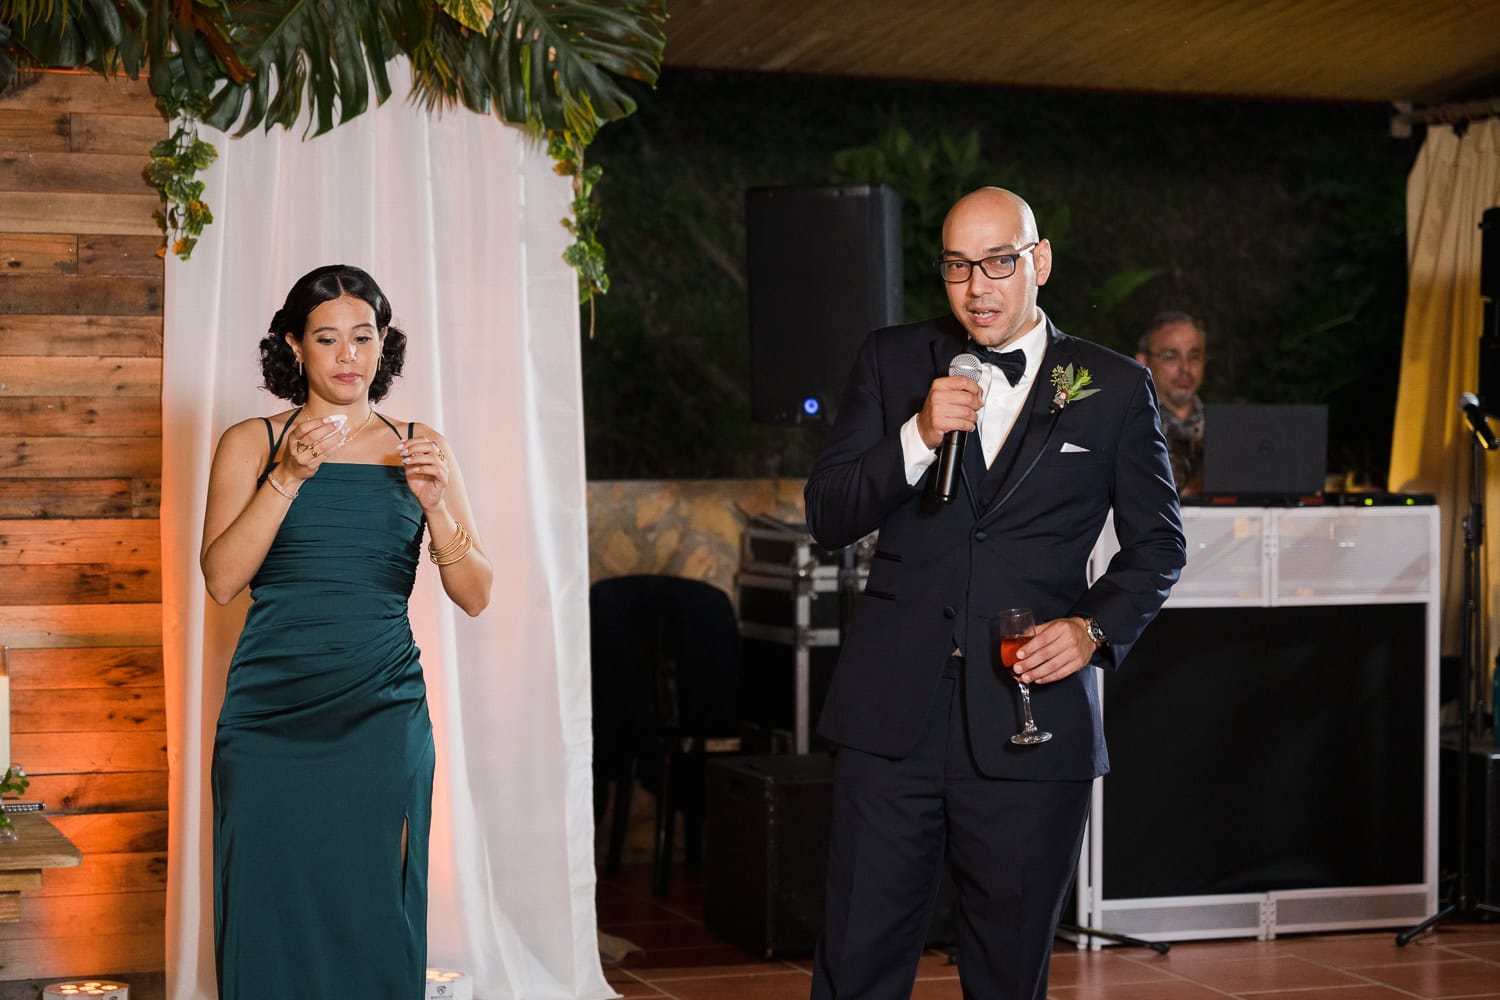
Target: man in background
(1174, 347)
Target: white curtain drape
(458, 217)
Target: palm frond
(98, 34)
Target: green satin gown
(324, 755)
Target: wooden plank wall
(80, 559)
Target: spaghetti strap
(275, 444)
(390, 425)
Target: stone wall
(689, 528)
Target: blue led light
(811, 406)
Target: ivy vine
(175, 162)
(587, 253)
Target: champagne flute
(1017, 626)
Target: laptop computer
(1261, 453)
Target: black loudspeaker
(1489, 290)
(1482, 863)
(765, 855)
(824, 269)
(1489, 261)
(766, 850)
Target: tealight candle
(101, 988)
(445, 984)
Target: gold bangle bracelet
(451, 545)
(460, 540)
(457, 548)
(463, 554)
(282, 489)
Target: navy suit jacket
(1018, 535)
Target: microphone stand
(1471, 655)
(1160, 947)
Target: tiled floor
(681, 958)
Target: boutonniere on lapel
(1068, 387)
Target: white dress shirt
(997, 415)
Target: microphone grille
(1465, 401)
(966, 365)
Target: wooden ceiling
(1420, 51)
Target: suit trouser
(1012, 846)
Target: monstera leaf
(556, 64)
(324, 55)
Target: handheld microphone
(1468, 405)
(951, 457)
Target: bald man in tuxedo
(919, 707)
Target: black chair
(666, 662)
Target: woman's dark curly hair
(278, 363)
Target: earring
(299, 367)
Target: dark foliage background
(1280, 225)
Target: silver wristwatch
(1096, 633)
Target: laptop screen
(1258, 450)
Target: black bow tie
(1012, 363)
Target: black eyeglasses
(957, 270)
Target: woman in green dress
(323, 760)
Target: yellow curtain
(1455, 178)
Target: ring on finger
(302, 446)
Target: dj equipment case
(794, 597)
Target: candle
(98, 988)
(4, 711)
(445, 984)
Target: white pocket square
(1070, 448)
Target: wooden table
(39, 845)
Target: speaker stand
(1160, 947)
(1460, 903)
